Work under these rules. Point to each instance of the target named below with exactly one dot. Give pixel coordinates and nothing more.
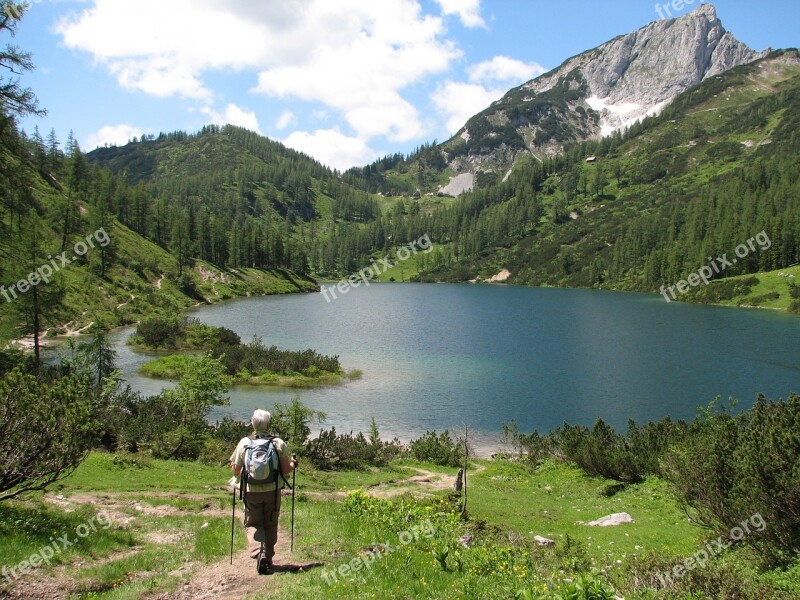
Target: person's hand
(294, 462)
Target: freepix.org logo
(44, 272)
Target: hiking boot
(265, 565)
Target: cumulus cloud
(489, 80)
(234, 115)
(112, 135)
(504, 69)
(457, 102)
(468, 11)
(332, 148)
(287, 118)
(353, 56)
(162, 48)
(364, 54)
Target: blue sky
(346, 81)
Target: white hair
(261, 420)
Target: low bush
(256, 358)
(438, 449)
(734, 467)
(350, 452)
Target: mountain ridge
(597, 92)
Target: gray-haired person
(262, 501)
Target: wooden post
(466, 456)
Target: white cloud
(285, 119)
(468, 11)
(457, 102)
(355, 57)
(234, 115)
(364, 54)
(162, 48)
(332, 148)
(504, 69)
(489, 80)
(113, 135)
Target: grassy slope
(143, 280)
(771, 291)
(508, 506)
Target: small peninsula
(251, 363)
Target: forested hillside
(630, 211)
(80, 248)
(66, 233)
(643, 209)
(231, 196)
(647, 208)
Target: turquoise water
(441, 355)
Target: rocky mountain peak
(600, 91)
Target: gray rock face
(614, 85)
(638, 73)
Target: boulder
(611, 520)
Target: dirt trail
(221, 580)
(423, 483)
(228, 582)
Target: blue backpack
(262, 464)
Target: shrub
(600, 452)
(159, 332)
(438, 449)
(292, 422)
(731, 468)
(603, 452)
(723, 289)
(215, 452)
(347, 451)
(231, 431)
(533, 447)
(257, 358)
(173, 423)
(53, 417)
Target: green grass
(101, 472)
(557, 498)
(30, 525)
(508, 504)
(312, 480)
(770, 283)
(124, 560)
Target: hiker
(262, 499)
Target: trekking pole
(294, 478)
(233, 519)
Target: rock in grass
(543, 541)
(612, 520)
